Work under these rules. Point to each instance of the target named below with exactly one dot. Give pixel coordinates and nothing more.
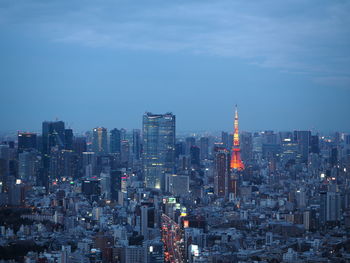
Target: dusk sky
(104, 63)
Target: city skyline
(181, 132)
(184, 130)
(187, 131)
(152, 197)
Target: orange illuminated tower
(236, 161)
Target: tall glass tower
(99, 142)
(158, 148)
(115, 141)
(53, 135)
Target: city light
(199, 178)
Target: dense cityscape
(174, 131)
(154, 195)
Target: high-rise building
(123, 134)
(155, 251)
(269, 137)
(132, 254)
(246, 146)
(90, 187)
(225, 139)
(115, 141)
(346, 148)
(53, 138)
(116, 181)
(144, 221)
(158, 148)
(79, 145)
(179, 149)
(178, 185)
(125, 151)
(26, 141)
(89, 163)
(28, 165)
(99, 141)
(330, 207)
(204, 146)
(148, 220)
(136, 144)
(236, 161)
(53, 134)
(314, 144)
(221, 172)
(190, 141)
(333, 160)
(195, 157)
(302, 138)
(68, 135)
(69, 162)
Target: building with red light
(236, 161)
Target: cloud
(334, 81)
(309, 37)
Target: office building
(302, 138)
(136, 144)
(158, 148)
(125, 151)
(68, 136)
(115, 141)
(330, 207)
(178, 185)
(53, 134)
(195, 157)
(222, 172)
(99, 140)
(28, 166)
(190, 141)
(155, 251)
(204, 148)
(26, 141)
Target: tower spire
(236, 162)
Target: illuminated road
(172, 238)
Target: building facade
(158, 148)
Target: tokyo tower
(236, 161)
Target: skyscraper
(26, 140)
(222, 172)
(158, 148)
(330, 207)
(225, 139)
(79, 145)
(303, 140)
(99, 141)
(190, 141)
(125, 151)
(53, 135)
(204, 146)
(195, 157)
(246, 146)
(136, 143)
(115, 141)
(28, 165)
(68, 135)
(314, 144)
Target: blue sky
(104, 63)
